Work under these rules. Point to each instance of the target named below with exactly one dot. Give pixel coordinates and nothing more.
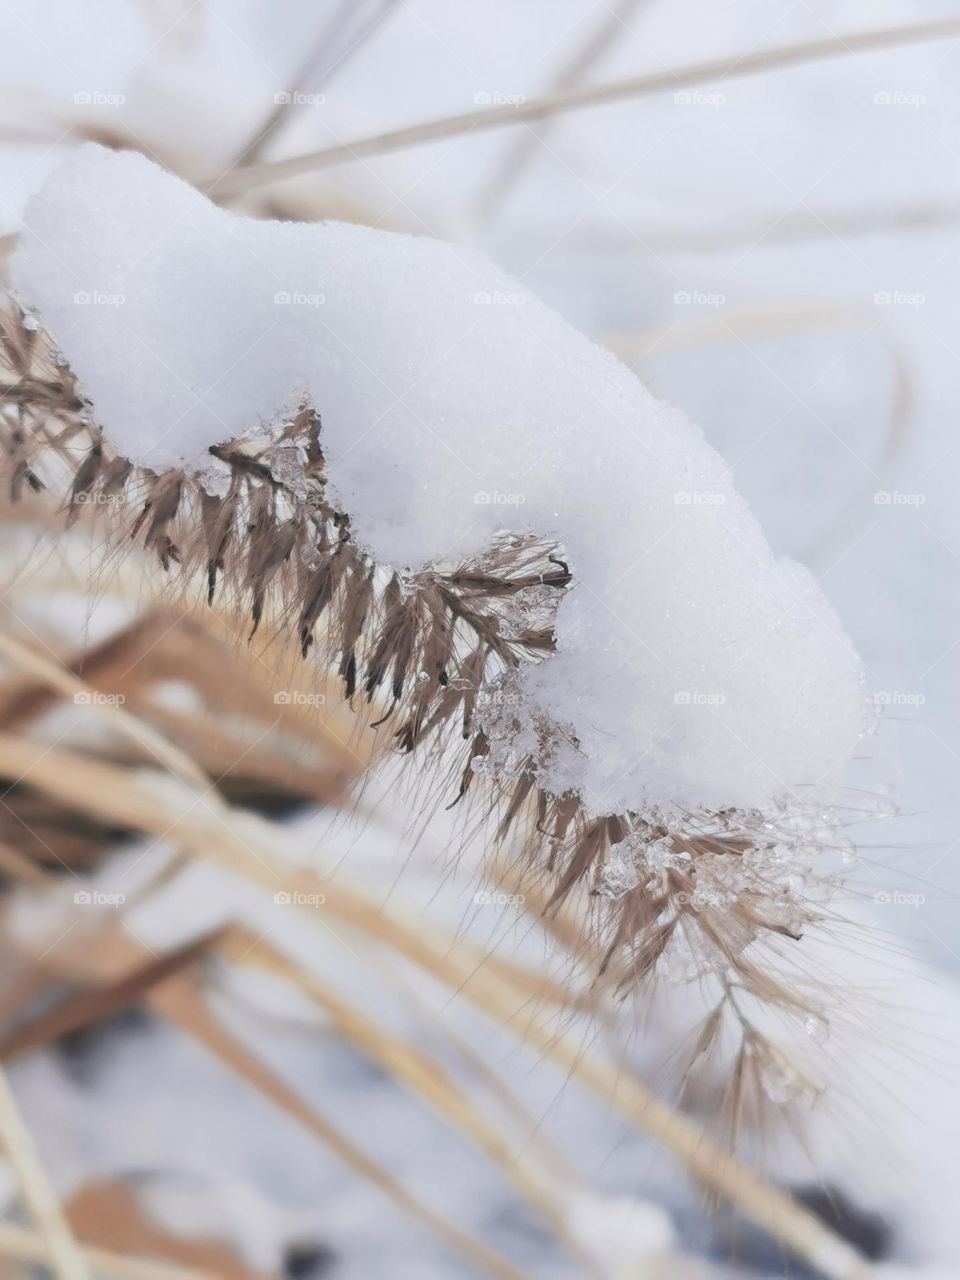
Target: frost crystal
(516, 734)
(745, 875)
(287, 468)
(215, 478)
(619, 874)
(639, 859)
(532, 609)
(660, 855)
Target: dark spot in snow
(308, 1261)
(735, 1241)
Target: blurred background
(372, 1064)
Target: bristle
(423, 646)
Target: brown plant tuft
(428, 657)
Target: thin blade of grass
(674, 78)
(178, 1001)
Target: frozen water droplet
(660, 855)
(59, 359)
(817, 1028)
(215, 478)
(619, 874)
(31, 324)
(780, 1082)
(479, 764)
(286, 467)
(423, 677)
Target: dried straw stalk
(29, 1247)
(237, 181)
(254, 850)
(59, 1245)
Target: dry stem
(675, 78)
(136, 803)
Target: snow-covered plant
(535, 576)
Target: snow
(693, 666)
(778, 138)
(909, 1273)
(627, 1239)
(883, 1063)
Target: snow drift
(693, 667)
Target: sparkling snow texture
(693, 667)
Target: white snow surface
(626, 1238)
(693, 667)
